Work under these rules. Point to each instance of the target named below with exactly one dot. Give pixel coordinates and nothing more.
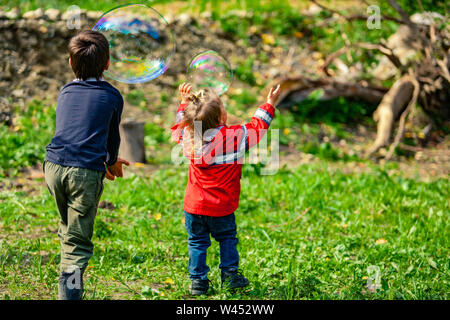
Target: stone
(74, 13)
(426, 18)
(206, 15)
(53, 14)
(185, 19)
(35, 14)
(170, 18)
(94, 15)
(13, 14)
(312, 10)
(19, 93)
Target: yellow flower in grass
(157, 216)
(169, 281)
(268, 38)
(381, 241)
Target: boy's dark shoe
(70, 288)
(234, 279)
(199, 287)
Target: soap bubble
(140, 41)
(209, 69)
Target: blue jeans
(223, 229)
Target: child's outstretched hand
(273, 95)
(185, 89)
(115, 170)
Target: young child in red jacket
(216, 154)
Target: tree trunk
(132, 146)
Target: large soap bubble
(140, 41)
(209, 69)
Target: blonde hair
(205, 106)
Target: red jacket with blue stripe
(215, 168)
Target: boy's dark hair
(89, 54)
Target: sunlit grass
(304, 234)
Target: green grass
(27, 5)
(304, 234)
(20, 145)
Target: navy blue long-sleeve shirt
(87, 125)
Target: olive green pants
(77, 193)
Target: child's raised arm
(184, 89)
(262, 118)
(240, 138)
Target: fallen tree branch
(298, 89)
(405, 113)
(424, 150)
(443, 68)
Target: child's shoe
(199, 287)
(234, 279)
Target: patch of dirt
(425, 164)
(106, 205)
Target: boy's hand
(116, 169)
(185, 89)
(273, 95)
(109, 175)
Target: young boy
(216, 154)
(83, 150)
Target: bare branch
(369, 46)
(420, 5)
(444, 70)
(355, 16)
(403, 14)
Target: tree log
(132, 146)
(297, 89)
